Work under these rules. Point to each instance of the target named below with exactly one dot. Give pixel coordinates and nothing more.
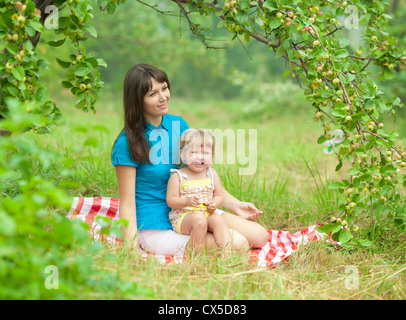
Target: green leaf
(82, 71)
(335, 185)
(389, 74)
(274, 23)
(344, 236)
(353, 171)
(327, 228)
(321, 139)
(36, 25)
(57, 43)
(101, 62)
(339, 166)
(89, 28)
(247, 36)
(63, 64)
(341, 54)
(63, 22)
(286, 73)
(365, 242)
(66, 84)
(80, 104)
(270, 5)
(242, 17)
(379, 5)
(18, 73)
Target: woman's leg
(170, 243)
(162, 242)
(256, 235)
(239, 242)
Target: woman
(143, 154)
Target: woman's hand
(247, 210)
(192, 201)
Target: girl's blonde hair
(191, 136)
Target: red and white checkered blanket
(280, 245)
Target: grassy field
(290, 186)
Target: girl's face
(197, 157)
(156, 102)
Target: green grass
(290, 186)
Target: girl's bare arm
(173, 198)
(218, 197)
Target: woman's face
(156, 102)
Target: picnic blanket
(280, 245)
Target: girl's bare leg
(221, 232)
(195, 225)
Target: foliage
(165, 42)
(20, 75)
(307, 34)
(266, 98)
(336, 80)
(41, 249)
(396, 27)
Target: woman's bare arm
(126, 189)
(245, 210)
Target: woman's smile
(156, 102)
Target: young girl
(194, 192)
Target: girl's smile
(198, 157)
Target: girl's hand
(211, 207)
(192, 201)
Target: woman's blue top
(152, 178)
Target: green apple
(20, 20)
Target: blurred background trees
(160, 36)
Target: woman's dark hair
(137, 83)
